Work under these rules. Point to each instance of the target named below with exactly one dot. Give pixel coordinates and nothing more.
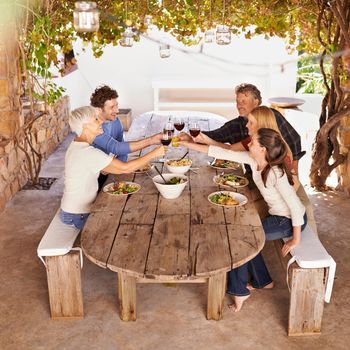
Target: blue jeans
(275, 227)
(237, 278)
(76, 220)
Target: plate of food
(121, 188)
(224, 164)
(227, 199)
(285, 102)
(230, 180)
(145, 169)
(179, 166)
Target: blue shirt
(112, 140)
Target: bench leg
(127, 297)
(64, 284)
(216, 295)
(306, 301)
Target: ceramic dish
(122, 188)
(227, 199)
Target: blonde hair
(81, 116)
(266, 119)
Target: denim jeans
(237, 278)
(76, 220)
(275, 227)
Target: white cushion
(58, 238)
(310, 253)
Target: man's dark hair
(101, 95)
(244, 88)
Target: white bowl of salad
(175, 184)
(176, 166)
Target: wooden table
(148, 239)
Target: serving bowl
(170, 191)
(178, 169)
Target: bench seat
(309, 254)
(63, 263)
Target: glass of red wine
(194, 129)
(169, 128)
(179, 124)
(165, 140)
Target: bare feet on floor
(268, 286)
(238, 303)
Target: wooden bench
(63, 263)
(310, 273)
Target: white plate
(149, 168)
(109, 187)
(215, 178)
(237, 196)
(235, 167)
(286, 101)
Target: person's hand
(184, 143)
(160, 151)
(183, 136)
(288, 246)
(202, 138)
(155, 139)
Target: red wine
(179, 126)
(165, 142)
(194, 132)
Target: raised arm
(118, 167)
(297, 211)
(204, 139)
(149, 141)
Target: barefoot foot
(268, 286)
(238, 303)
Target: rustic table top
(146, 235)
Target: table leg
(216, 294)
(127, 297)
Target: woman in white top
(83, 164)
(267, 152)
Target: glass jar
(223, 35)
(164, 50)
(86, 16)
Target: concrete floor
(168, 317)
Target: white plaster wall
(130, 71)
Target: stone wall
(47, 132)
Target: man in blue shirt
(111, 141)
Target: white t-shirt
(83, 164)
(279, 195)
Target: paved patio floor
(168, 317)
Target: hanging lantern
(86, 16)
(164, 50)
(223, 35)
(127, 39)
(148, 20)
(209, 36)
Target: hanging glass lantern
(127, 39)
(209, 36)
(148, 20)
(164, 50)
(86, 16)
(223, 35)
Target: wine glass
(179, 124)
(165, 140)
(169, 128)
(194, 129)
